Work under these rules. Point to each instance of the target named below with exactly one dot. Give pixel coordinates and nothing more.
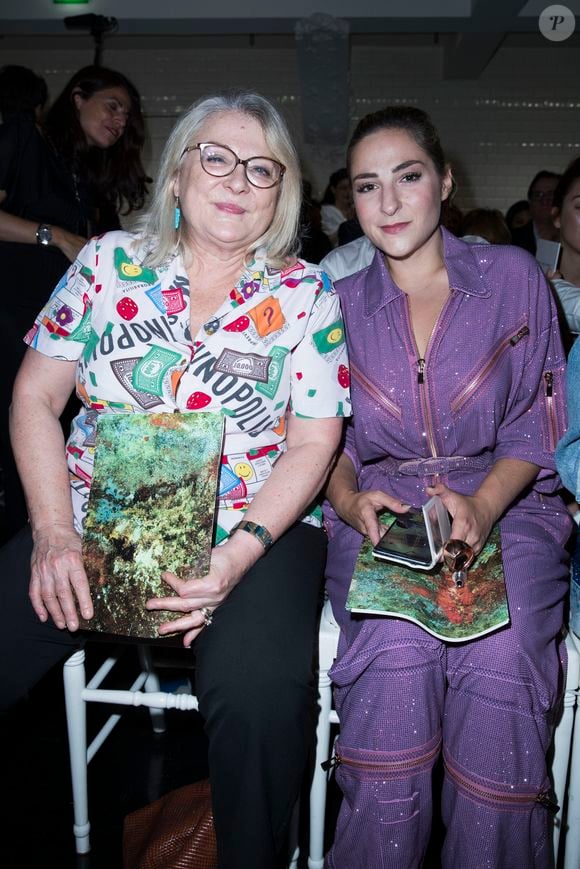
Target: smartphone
(416, 539)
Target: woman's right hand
(67, 242)
(361, 509)
(58, 581)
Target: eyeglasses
(542, 196)
(219, 160)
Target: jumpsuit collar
(464, 263)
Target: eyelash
(365, 188)
(408, 178)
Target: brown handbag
(174, 832)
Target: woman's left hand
(472, 515)
(191, 595)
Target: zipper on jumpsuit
(423, 386)
(552, 427)
(542, 798)
(375, 392)
(381, 766)
(495, 356)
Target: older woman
(209, 280)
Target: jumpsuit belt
(436, 465)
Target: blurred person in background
(61, 182)
(336, 204)
(22, 92)
(518, 214)
(485, 225)
(540, 198)
(566, 217)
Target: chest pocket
(482, 373)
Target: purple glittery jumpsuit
(491, 386)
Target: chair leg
(151, 686)
(319, 779)
(572, 842)
(76, 716)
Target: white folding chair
(566, 764)
(78, 694)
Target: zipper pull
(331, 763)
(549, 378)
(544, 799)
(420, 370)
(519, 335)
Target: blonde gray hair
(279, 241)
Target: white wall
(520, 116)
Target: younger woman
(457, 389)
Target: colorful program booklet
(431, 598)
(151, 509)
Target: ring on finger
(207, 616)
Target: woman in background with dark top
(59, 184)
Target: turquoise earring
(177, 218)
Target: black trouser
(254, 681)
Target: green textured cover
(430, 599)
(151, 508)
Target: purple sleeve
(349, 448)
(535, 418)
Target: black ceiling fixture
(97, 26)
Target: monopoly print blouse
(275, 345)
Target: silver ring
(207, 616)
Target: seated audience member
(423, 321)
(22, 92)
(336, 204)
(568, 462)
(485, 225)
(314, 243)
(540, 197)
(223, 221)
(518, 215)
(566, 217)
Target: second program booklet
(151, 509)
(430, 599)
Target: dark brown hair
(115, 174)
(412, 120)
(489, 223)
(571, 174)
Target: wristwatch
(258, 531)
(44, 234)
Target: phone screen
(407, 538)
